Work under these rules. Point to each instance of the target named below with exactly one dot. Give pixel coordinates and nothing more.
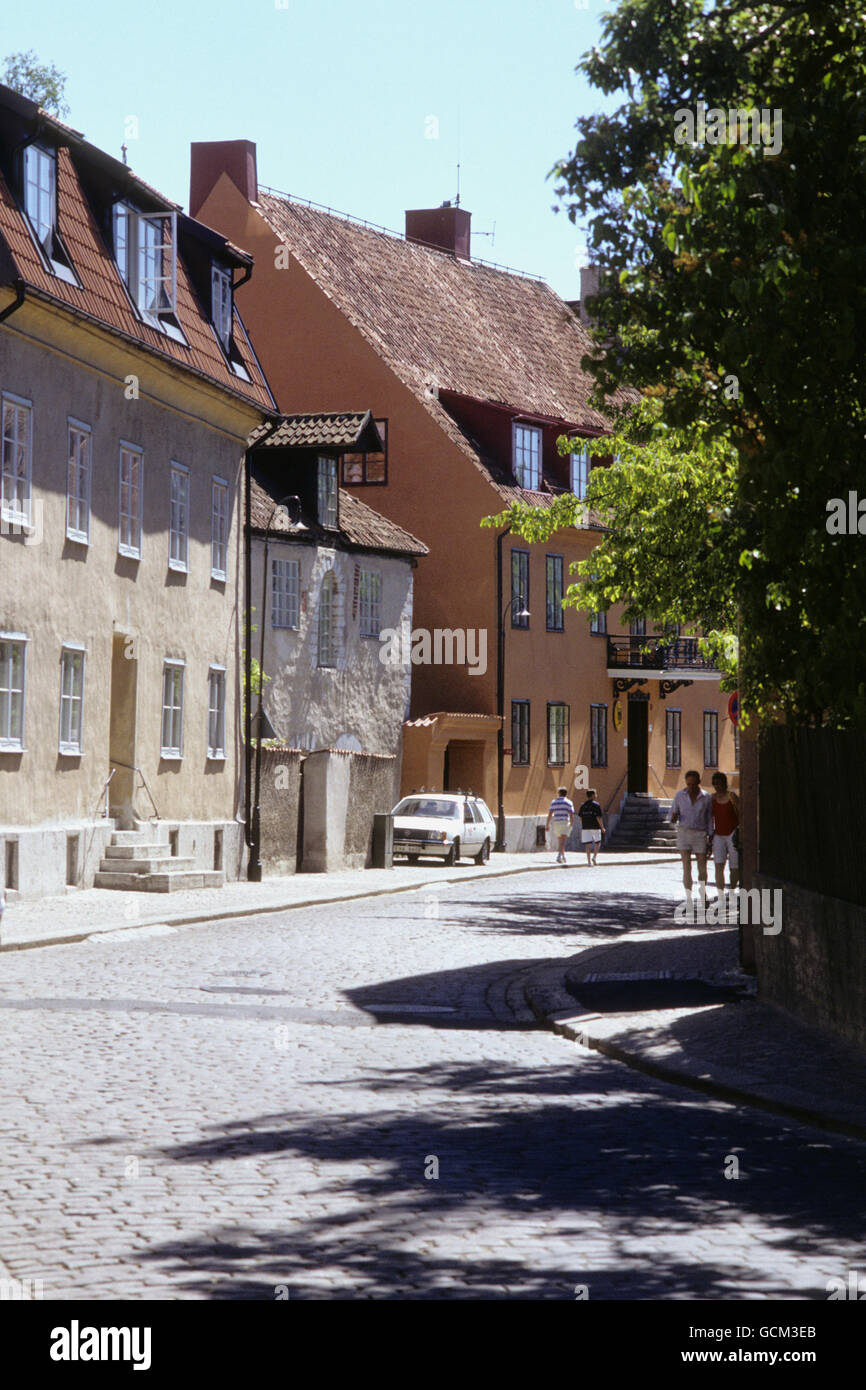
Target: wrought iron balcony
(656, 656)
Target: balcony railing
(655, 654)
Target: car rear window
(427, 806)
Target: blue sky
(338, 96)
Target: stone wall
(374, 787)
(815, 967)
(279, 801)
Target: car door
(469, 834)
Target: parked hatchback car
(446, 825)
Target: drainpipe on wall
(20, 289)
(500, 698)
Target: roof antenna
(123, 151)
(457, 199)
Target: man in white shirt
(692, 815)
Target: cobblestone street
(353, 1101)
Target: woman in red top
(726, 818)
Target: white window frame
(221, 303)
(78, 485)
(178, 518)
(598, 734)
(581, 466)
(370, 603)
(711, 737)
(216, 712)
(45, 161)
(598, 623)
(219, 528)
(8, 744)
(142, 245)
(673, 737)
(15, 508)
(558, 741)
(169, 748)
(66, 743)
(132, 547)
(328, 636)
(285, 577)
(328, 485)
(526, 441)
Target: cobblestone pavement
(352, 1101)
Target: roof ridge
(382, 230)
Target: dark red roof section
(360, 526)
(102, 295)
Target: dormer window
(40, 204)
(221, 303)
(145, 248)
(527, 456)
(327, 491)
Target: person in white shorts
(591, 825)
(561, 813)
(726, 820)
(692, 815)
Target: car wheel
(413, 858)
(454, 853)
(483, 854)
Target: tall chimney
(588, 287)
(210, 158)
(446, 227)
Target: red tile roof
(359, 524)
(102, 296)
(323, 431)
(446, 324)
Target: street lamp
(500, 696)
(261, 724)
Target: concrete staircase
(644, 823)
(141, 861)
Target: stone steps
(137, 861)
(644, 824)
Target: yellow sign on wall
(617, 715)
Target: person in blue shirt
(591, 825)
(562, 814)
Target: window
(13, 650)
(557, 734)
(221, 303)
(178, 536)
(580, 467)
(71, 697)
(285, 588)
(368, 468)
(638, 627)
(673, 737)
(40, 204)
(172, 709)
(40, 193)
(216, 712)
(17, 459)
(327, 491)
(598, 624)
(145, 250)
(711, 738)
(78, 482)
(520, 588)
(519, 732)
(527, 456)
(370, 603)
(328, 620)
(555, 615)
(219, 528)
(598, 735)
(129, 528)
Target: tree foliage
(41, 82)
(668, 550)
(742, 265)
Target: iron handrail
(134, 768)
(642, 652)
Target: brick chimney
(446, 227)
(210, 158)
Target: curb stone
(556, 1009)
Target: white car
(445, 825)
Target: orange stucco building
(473, 373)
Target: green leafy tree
(734, 294)
(668, 548)
(41, 82)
